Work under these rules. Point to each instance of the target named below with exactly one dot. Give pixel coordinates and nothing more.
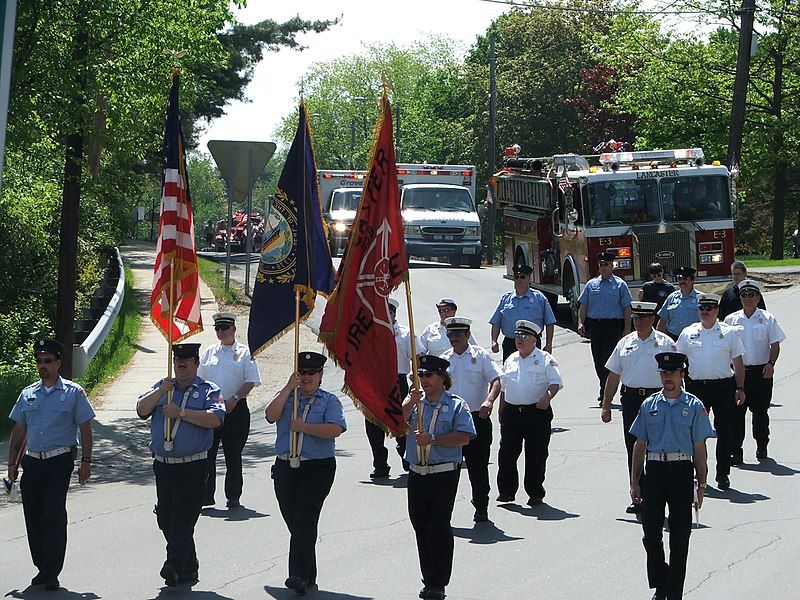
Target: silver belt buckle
(294, 462)
(423, 469)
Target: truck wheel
(552, 299)
(474, 261)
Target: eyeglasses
(45, 361)
(521, 276)
(522, 336)
(223, 327)
(308, 371)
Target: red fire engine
(664, 206)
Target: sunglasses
(523, 336)
(521, 276)
(309, 371)
(45, 361)
(224, 327)
(454, 335)
(707, 308)
(747, 295)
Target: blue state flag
(295, 254)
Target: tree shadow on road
(60, 594)
(542, 512)
(313, 592)
(483, 533)
(768, 465)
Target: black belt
(640, 391)
(607, 320)
(711, 381)
(755, 366)
(520, 407)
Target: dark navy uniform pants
(44, 486)
(758, 396)
(668, 484)
(530, 425)
(180, 489)
(430, 507)
(718, 396)
(631, 403)
(476, 453)
(377, 436)
(233, 435)
(301, 493)
(509, 347)
(603, 336)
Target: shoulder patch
(553, 362)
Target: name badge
(653, 413)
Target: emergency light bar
(345, 176)
(608, 158)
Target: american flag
(563, 182)
(175, 249)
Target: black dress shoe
(723, 482)
(423, 593)
(296, 584)
(380, 473)
(233, 504)
(634, 509)
(189, 578)
(52, 584)
(481, 516)
(208, 502)
(435, 593)
(659, 596)
(534, 501)
(761, 454)
(170, 575)
(39, 579)
(505, 498)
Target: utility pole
(491, 153)
(352, 141)
(747, 13)
(397, 132)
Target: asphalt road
(578, 544)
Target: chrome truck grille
(671, 248)
(442, 234)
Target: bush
(12, 381)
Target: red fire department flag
(175, 239)
(356, 326)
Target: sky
(273, 90)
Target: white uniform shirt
(402, 337)
(472, 372)
(433, 340)
(756, 333)
(710, 351)
(229, 367)
(634, 359)
(525, 380)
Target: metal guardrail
(83, 354)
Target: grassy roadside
(214, 277)
(759, 261)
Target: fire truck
(665, 206)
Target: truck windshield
(622, 202)
(446, 199)
(695, 198)
(347, 200)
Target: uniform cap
(446, 302)
(708, 299)
(186, 350)
(48, 345)
(529, 327)
(224, 317)
(311, 360)
(429, 362)
(522, 269)
(643, 309)
(749, 284)
(605, 256)
(671, 361)
(457, 323)
(684, 272)
(394, 303)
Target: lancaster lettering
(655, 174)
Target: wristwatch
(182, 414)
(86, 459)
(739, 389)
(701, 485)
(772, 362)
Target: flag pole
(168, 426)
(421, 450)
(294, 458)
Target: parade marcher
(301, 489)
(433, 339)
(196, 409)
(730, 303)
(51, 413)
(446, 427)
(633, 363)
(229, 365)
(656, 290)
(712, 347)
(674, 458)
(680, 308)
(524, 303)
(476, 380)
(761, 337)
(376, 435)
(529, 382)
(605, 314)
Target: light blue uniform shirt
(672, 428)
(533, 306)
(453, 416)
(52, 418)
(325, 408)
(680, 311)
(190, 439)
(606, 298)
